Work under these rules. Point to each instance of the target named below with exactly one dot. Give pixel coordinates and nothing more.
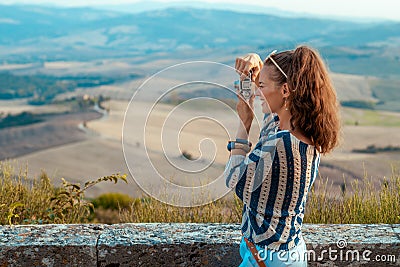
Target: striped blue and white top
(273, 182)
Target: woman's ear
(285, 90)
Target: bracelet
(243, 141)
(234, 145)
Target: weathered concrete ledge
(176, 244)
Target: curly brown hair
(312, 101)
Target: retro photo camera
(245, 86)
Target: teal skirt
(296, 257)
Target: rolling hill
(39, 33)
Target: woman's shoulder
(278, 134)
(290, 141)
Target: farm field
(98, 151)
(102, 154)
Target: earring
(286, 106)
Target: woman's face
(270, 95)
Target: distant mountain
(148, 6)
(24, 24)
(29, 33)
(248, 8)
(176, 28)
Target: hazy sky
(388, 9)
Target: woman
(273, 180)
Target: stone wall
(185, 244)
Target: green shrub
(23, 118)
(113, 201)
(37, 201)
(358, 104)
(374, 149)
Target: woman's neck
(284, 120)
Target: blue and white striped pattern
(273, 182)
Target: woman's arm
(242, 172)
(250, 62)
(235, 167)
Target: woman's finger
(256, 72)
(240, 64)
(237, 63)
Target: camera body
(245, 87)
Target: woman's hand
(245, 111)
(249, 62)
(243, 66)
